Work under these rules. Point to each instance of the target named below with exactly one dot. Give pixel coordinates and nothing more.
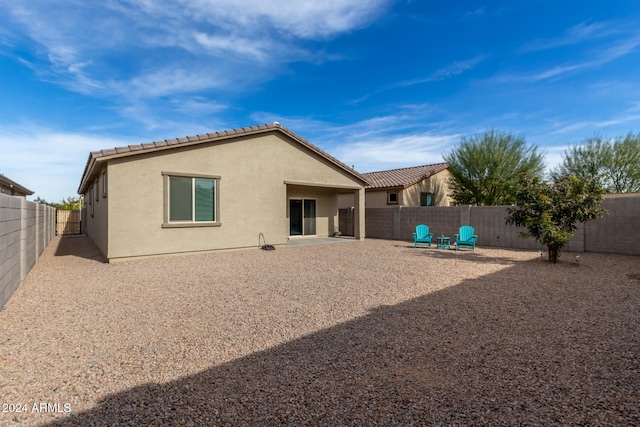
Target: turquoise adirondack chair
(422, 236)
(466, 237)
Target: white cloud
(625, 117)
(605, 43)
(380, 153)
(568, 128)
(449, 71)
(244, 47)
(478, 12)
(578, 34)
(136, 51)
(47, 161)
(599, 57)
(454, 69)
(170, 80)
(310, 19)
(554, 156)
(251, 29)
(198, 105)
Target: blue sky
(379, 84)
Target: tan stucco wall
(326, 206)
(253, 195)
(96, 225)
(346, 200)
(437, 184)
(378, 198)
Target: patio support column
(358, 220)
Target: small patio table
(443, 242)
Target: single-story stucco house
(426, 185)
(12, 188)
(215, 191)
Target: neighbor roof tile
(403, 177)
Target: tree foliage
(610, 163)
(70, 203)
(485, 167)
(550, 211)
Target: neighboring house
(12, 188)
(426, 185)
(215, 191)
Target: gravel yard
(357, 333)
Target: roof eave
(99, 156)
(11, 183)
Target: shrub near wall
(26, 228)
(616, 233)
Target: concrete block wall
(618, 232)
(379, 223)
(440, 219)
(30, 234)
(492, 230)
(26, 228)
(10, 233)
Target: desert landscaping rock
(360, 333)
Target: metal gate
(67, 223)
(345, 221)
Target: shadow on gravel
(79, 246)
(496, 350)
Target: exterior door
(302, 217)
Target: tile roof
(6, 181)
(132, 150)
(404, 177)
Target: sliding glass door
(302, 217)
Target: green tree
(550, 211)
(610, 163)
(70, 203)
(485, 167)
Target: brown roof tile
(403, 177)
(109, 152)
(95, 156)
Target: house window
(392, 198)
(426, 199)
(104, 183)
(91, 211)
(97, 190)
(191, 200)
